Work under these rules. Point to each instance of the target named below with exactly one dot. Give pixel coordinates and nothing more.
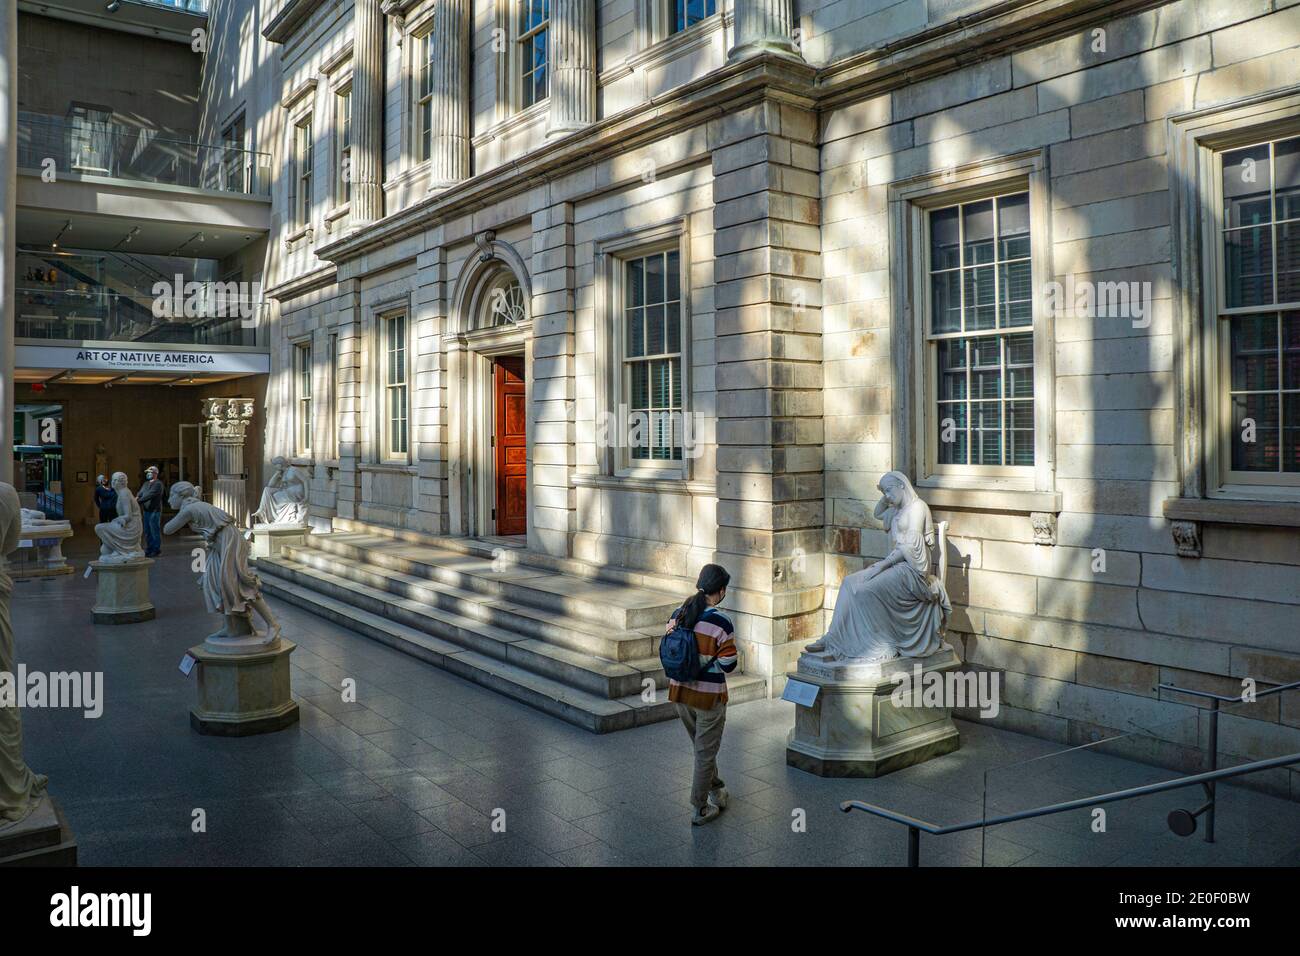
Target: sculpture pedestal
(123, 595)
(270, 539)
(42, 839)
(243, 691)
(43, 553)
(855, 729)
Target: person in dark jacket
(105, 499)
(150, 497)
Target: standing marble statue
(229, 586)
(284, 499)
(121, 537)
(897, 607)
(21, 791)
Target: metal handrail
(915, 827)
(1224, 698)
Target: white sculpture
(21, 791)
(121, 537)
(229, 586)
(284, 499)
(31, 518)
(896, 607)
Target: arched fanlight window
(503, 304)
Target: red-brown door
(510, 445)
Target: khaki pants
(705, 730)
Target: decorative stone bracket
(1044, 523)
(1187, 538)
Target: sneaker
(719, 798)
(705, 814)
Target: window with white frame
(1258, 314)
(343, 146)
(979, 337)
(531, 43)
(302, 395)
(687, 13)
(395, 414)
(235, 157)
(300, 169)
(422, 97)
(332, 410)
(650, 359)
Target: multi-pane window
(300, 174)
(980, 332)
(343, 146)
(394, 356)
(302, 389)
(423, 90)
(1259, 311)
(687, 13)
(234, 158)
(534, 17)
(652, 355)
(332, 411)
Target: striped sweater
(714, 634)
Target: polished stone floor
(418, 768)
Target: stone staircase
(569, 638)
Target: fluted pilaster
(763, 26)
(367, 202)
(450, 152)
(573, 66)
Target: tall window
(687, 13)
(343, 146)
(300, 174)
(652, 356)
(302, 389)
(332, 357)
(234, 158)
(534, 18)
(423, 90)
(394, 352)
(1259, 312)
(979, 334)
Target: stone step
(594, 675)
(590, 711)
(566, 632)
(511, 555)
(622, 607)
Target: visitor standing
(105, 499)
(150, 497)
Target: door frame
(494, 505)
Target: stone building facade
(1036, 255)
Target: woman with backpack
(698, 651)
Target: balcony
(90, 144)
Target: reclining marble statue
(121, 538)
(229, 586)
(849, 722)
(284, 499)
(21, 790)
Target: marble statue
(21, 791)
(897, 607)
(31, 518)
(229, 586)
(121, 537)
(284, 499)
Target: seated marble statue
(120, 538)
(896, 607)
(284, 500)
(229, 586)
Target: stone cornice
(715, 95)
(300, 284)
(292, 14)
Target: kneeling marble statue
(120, 538)
(897, 607)
(284, 499)
(229, 586)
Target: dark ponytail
(713, 578)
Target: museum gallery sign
(140, 360)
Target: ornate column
(573, 66)
(228, 420)
(450, 153)
(367, 203)
(763, 26)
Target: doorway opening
(509, 446)
(38, 456)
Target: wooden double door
(510, 445)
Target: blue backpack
(680, 655)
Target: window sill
(1258, 512)
(304, 233)
(512, 123)
(1014, 500)
(665, 485)
(335, 214)
(388, 467)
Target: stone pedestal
(123, 595)
(42, 839)
(856, 729)
(44, 554)
(270, 539)
(241, 691)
